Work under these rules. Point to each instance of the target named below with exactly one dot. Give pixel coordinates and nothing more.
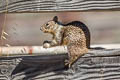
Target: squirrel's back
(84, 28)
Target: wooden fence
(57, 5)
(98, 64)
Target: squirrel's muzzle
(42, 29)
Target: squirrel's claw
(68, 63)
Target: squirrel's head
(50, 26)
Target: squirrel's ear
(55, 18)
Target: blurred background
(24, 28)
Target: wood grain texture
(57, 5)
(96, 65)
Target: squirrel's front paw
(46, 45)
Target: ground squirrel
(75, 35)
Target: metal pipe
(32, 50)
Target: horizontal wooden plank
(102, 53)
(51, 67)
(57, 5)
(40, 51)
(97, 68)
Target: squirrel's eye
(47, 24)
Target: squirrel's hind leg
(74, 52)
(70, 61)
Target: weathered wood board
(101, 64)
(96, 65)
(57, 5)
